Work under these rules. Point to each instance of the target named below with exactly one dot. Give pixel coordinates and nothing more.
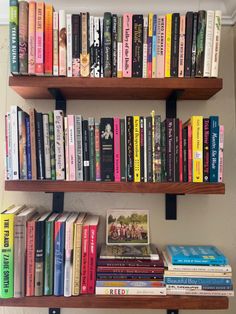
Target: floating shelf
(125, 302)
(33, 87)
(115, 187)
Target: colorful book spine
(216, 44)
(79, 147)
(168, 44)
(114, 37)
(214, 148)
(22, 145)
(137, 48)
(190, 155)
(161, 36)
(23, 36)
(157, 149)
(30, 258)
(163, 152)
(181, 46)
(75, 45)
(196, 281)
(92, 258)
(122, 150)
(69, 44)
(31, 37)
(28, 148)
(154, 47)
(180, 151)
(142, 149)
(7, 129)
(97, 47)
(107, 149)
(194, 44)
(6, 255)
(127, 45)
(170, 149)
(84, 50)
(32, 113)
(206, 149)
(136, 148)
(201, 35)
(84, 260)
(49, 250)
(62, 42)
(145, 149)
(71, 144)
(48, 47)
(221, 154)
(91, 132)
(86, 165)
(59, 146)
(117, 169)
(39, 50)
(145, 46)
(197, 148)
(149, 43)
(66, 144)
(176, 150)
(185, 154)
(188, 44)
(210, 18)
(14, 36)
(55, 44)
(149, 149)
(120, 47)
(46, 141)
(97, 152)
(52, 144)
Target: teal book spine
(14, 36)
(92, 149)
(48, 270)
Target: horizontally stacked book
(197, 271)
(134, 149)
(130, 270)
(47, 254)
(44, 42)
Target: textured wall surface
(201, 219)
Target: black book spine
(101, 47)
(86, 150)
(40, 146)
(175, 45)
(157, 149)
(122, 150)
(185, 154)
(170, 149)
(39, 257)
(188, 44)
(76, 44)
(149, 149)
(201, 34)
(137, 46)
(176, 150)
(107, 45)
(114, 44)
(107, 149)
(130, 148)
(206, 151)
(142, 149)
(163, 151)
(194, 44)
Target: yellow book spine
(197, 147)
(168, 44)
(150, 24)
(76, 259)
(137, 149)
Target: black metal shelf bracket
(172, 311)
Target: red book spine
(190, 166)
(30, 260)
(84, 261)
(48, 44)
(117, 149)
(180, 151)
(92, 258)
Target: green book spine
(91, 149)
(52, 144)
(122, 150)
(201, 34)
(48, 271)
(14, 36)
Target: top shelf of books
(34, 87)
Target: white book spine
(46, 147)
(183, 287)
(215, 293)
(97, 46)
(69, 44)
(101, 41)
(62, 43)
(208, 43)
(15, 143)
(145, 46)
(67, 174)
(71, 144)
(68, 260)
(79, 148)
(91, 43)
(59, 145)
(216, 44)
(145, 150)
(130, 291)
(9, 147)
(55, 44)
(221, 154)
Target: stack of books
(133, 45)
(130, 270)
(197, 271)
(47, 254)
(133, 149)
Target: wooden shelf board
(33, 87)
(115, 187)
(126, 302)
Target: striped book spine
(154, 47)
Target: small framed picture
(127, 226)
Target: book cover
(114, 38)
(161, 37)
(14, 36)
(71, 146)
(145, 46)
(214, 148)
(23, 36)
(69, 44)
(97, 47)
(28, 148)
(149, 149)
(117, 150)
(168, 44)
(22, 144)
(40, 147)
(62, 43)
(142, 149)
(86, 166)
(201, 35)
(216, 44)
(137, 149)
(97, 152)
(188, 44)
(75, 45)
(14, 127)
(174, 45)
(84, 49)
(120, 47)
(59, 145)
(194, 44)
(91, 132)
(91, 44)
(130, 291)
(210, 18)
(48, 47)
(107, 149)
(66, 144)
(52, 144)
(137, 46)
(55, 44)
(39, 50)
(221, 154)
(46, 141)
(206, 149)
(78, 148)
(127, 45)
(122, 150)
(149, 45)
(130, 148)
(31, 37)
(197, 148)
(181, 46)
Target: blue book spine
(154, 46)
(196, 281)
(28, 148)
(59, 257)
(214, 148)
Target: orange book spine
(31, 37)
(48, 46)
(39, 53)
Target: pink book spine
(30, 251)
(39, 50)
(117, 149)
(180, 152)
(190, 166)
(84, 260)
(221, 154)
(127, 45)
(31, 37)
(181, 46)
(97, 152)
(161, 46)
(71, 139)
(92, 258)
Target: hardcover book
(86, 165)
(161, 36)
(40, 147)
(194, 44)
(188, 44)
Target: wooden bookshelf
(33, 87)
(115, 187)
(124, 302)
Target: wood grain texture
(125, 302)
(116, 89)
(115, 187)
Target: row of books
(134, 149)
(44, 42)
(47, 254)
(188, 270)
